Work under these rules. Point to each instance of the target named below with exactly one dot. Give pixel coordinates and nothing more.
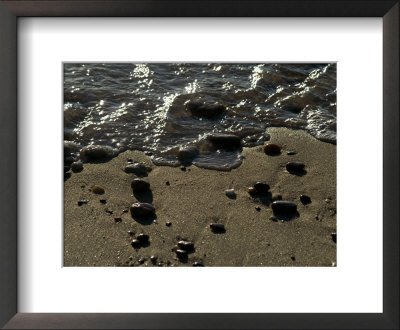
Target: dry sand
(195, 198)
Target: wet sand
(195, 198)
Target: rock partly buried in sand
(142, 210)
(181, 253)
(97, 190)
(224, 141)
(137, 168)
(272, 149)
(143, 238)
(186, 245)
(202, 109)
(136, 243)
(284, 207)
(295, 167)
(96, 152)
(305, 199)
(77, 166)
(187, 153)
(139, 185)
(217, 227)
(230, 193)
(261, 188)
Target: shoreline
(196, 197)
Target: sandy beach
(99, 233)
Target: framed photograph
(219, 164)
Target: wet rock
(142, 238)
(187, 153)
(148, 153)
(70, 147)
(97, 190)
(142, 210)
(217, 227)
(198, 264)
(82, 202)
(136, 243)
(139, 185)
(333, 235)
(202, 109)
(261, 188)
(295, 167)
(284, 207)
(272, 149)
(137, 168)
(291, 153)
(292, 107)
(224, 141)
(66, 168)
(276, 197)
(305, 199)
(181, 253)
(230, 193)
(96, 152)
(103, 201)
(252, 191)
(68, 160)
(183, 168)
(168, 224)
(186, 245)
(77, 166)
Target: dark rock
(252, 191)
(258, 208)
(272, 149)
(153, 259)
(201, 109)
(186, 245)
(81, 202)
(131, 233)
(117, 219)
(68, 160)
(305, 199)
(261, 188)
(139, 185)
(66, 168)
(136, 243)
(141, 261)
(70, 147)
(333, 235)
(167, 183)
(97, 190)
(291, 153)
(230, 193)
(168, 224)
(130, 160)
(276, 197)
(183, 168)
(292, 107)
(138, 169)
(142, 210)
(284, 207)
(187, 153)
(103, 201)
(148, 153)
(293, 258)
(181, 253)
(95, 152)
(77, 166)
(198, 264)
(217, 227)
(224, 141)
(295, 167)
(142, 238)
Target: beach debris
(142, 238)
(305, 199)
(118, 219)
(81, 202)
(276, 197)
(136, 243)
(295, 167)
(168, 224)
(103, 201)
(291, 153)
(140, 169)
(333, 235)
(97, 190)
(200, 108)
(186, 245)
(272, 149)
(224, 141)
(140, 185)
(217, 227)
(142, 209)
(77, 166)
(230, 193)
(284, 207)
(197, 264)
(96, 152)
(187, 153)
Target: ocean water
(145, 106)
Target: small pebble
(131, 233)
(183, 168)
(125, 211)
(261, 188)
(230, 193)
(186, 245)
(130, 160)
(187, 153)
(293, 258)
(117, 219)
(252, 191)
(305, 199)
(295, 167)
(181, 253)
(142, 238)
(153, 259)
(217, 227)
(148, 153)
(103, 201)
(140, 185)
(224, 141)
(137, 168)
(142, 209)
(198, 264)
(168, 224)
(291, 153)
(284, 207)
(96, 152)
(97, 190)
(142, 260)
(135, 243)
(333, 235)
(81, 202)
(272, 149)
(200, 108)
(167, 183)
(258, 208)
(77, 166)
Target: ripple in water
(150, 106)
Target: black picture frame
(388, 10)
